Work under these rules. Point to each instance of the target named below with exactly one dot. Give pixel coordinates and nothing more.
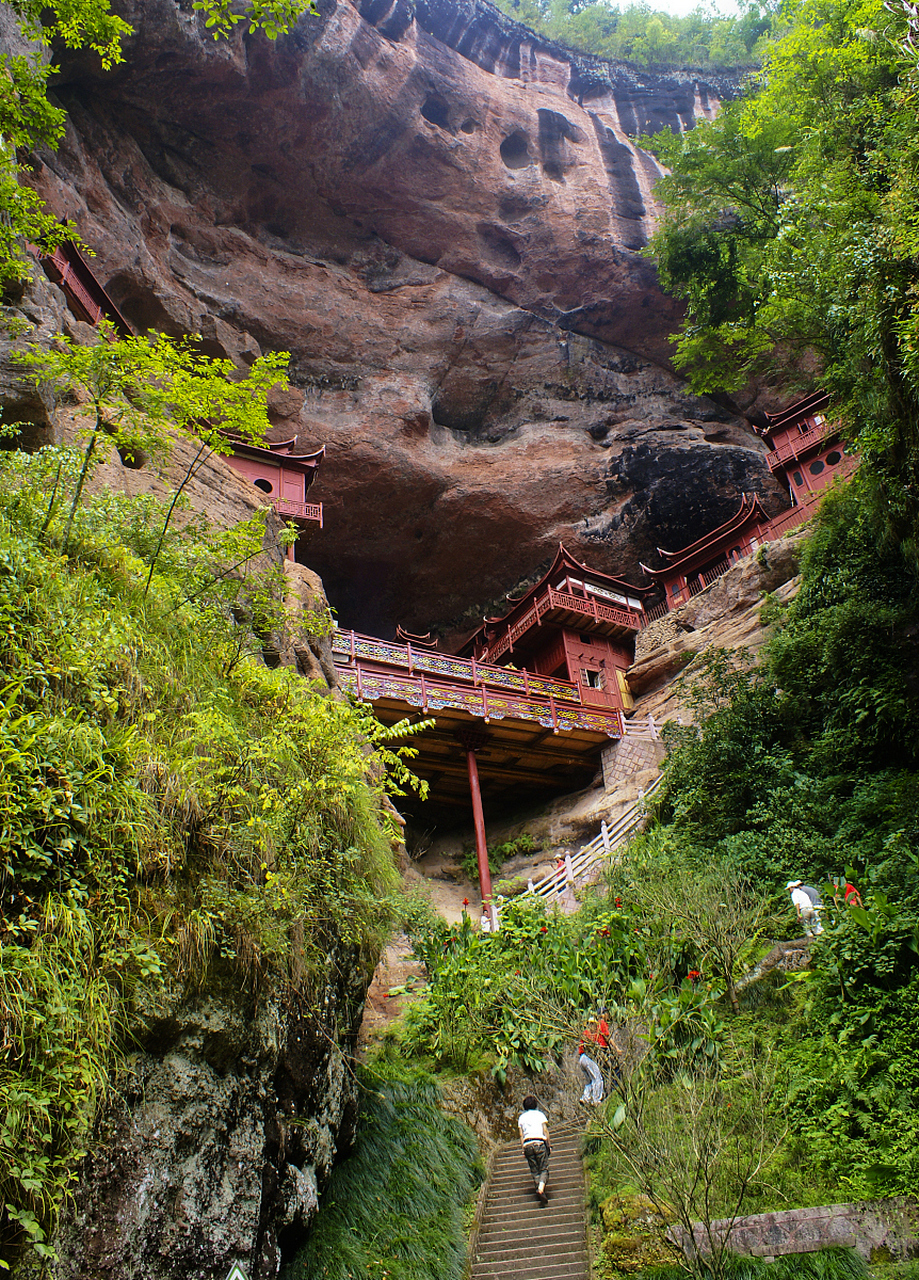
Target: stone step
(520, 1239)
(535, 1246)
(526, 1210)
(543, 1269)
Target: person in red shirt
(595, 1033)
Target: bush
(497, 855)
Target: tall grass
(825, 1264)
(394, 1206)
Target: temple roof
(803, 408)
(275, 450)
(749, 512)
(427, 641)
(565, 564)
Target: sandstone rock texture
(219, 1142)
(440, 215)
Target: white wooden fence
(577, 865)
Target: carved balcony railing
(298, 510)
(794, 448)
(587, 607)
(376, 670)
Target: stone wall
(880, 1230)
(623, 759)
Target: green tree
(791, 232)
(143, 389)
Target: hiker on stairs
(534, 1139)
(596, 1033)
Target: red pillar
(478, 818)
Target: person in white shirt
(803, 903)
(534, 1139)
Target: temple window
(265, 485)
(797, 477)
(592, 679)
(833, 459)
(816, 467)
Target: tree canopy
(792, 231)
(650, 37)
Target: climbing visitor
(596, 1033)
(561, 877)
(609, 1052)
(534, 1139)
(803, 900)
(842, 888)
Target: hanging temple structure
(525, 706)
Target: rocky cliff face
(440, 215)
(222, 1135)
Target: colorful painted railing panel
(429, 695)
(349, 645)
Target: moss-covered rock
(634, 1236)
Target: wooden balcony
(540, 734)
(375, 669)
(568, 611)
(799, 446)
(298, 510)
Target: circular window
(797, 477)
(816, 467)
(265, 485)
(833, 459)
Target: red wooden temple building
(283, 476)
(805, 453)
(575, 624)
(694, 567)
(86, 297)
(526, 705)
(804, 448)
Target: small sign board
(237, 1273)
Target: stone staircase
(518, 1238)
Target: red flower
(465, 902)
(543, 929)
(618, 902)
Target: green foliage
(497, 855)
(394, 1206)
(650, 37)
(145, 390)
(168, 805)
(791, 231)
(515, 998)
(806, 767)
